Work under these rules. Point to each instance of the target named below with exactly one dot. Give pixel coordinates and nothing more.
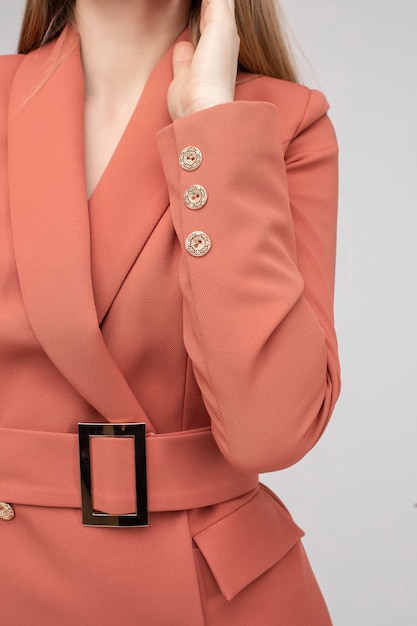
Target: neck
(122, 40)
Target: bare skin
(121, 42)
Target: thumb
(182, 57)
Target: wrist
(208, 103)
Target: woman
(166, 260)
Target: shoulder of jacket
(10, 63)
(8, 67)
(297, 105)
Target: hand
(205, 76)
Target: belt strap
(185, 470)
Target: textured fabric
(105, 316)
(185, 470)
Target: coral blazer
(105, 315)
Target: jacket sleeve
(258, 307)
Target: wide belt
(185, 470)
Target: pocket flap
(246, 543)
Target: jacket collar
(70, 272)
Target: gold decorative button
(190, 158)
(198, 243)
(6, 512)
(195, 197)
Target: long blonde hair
(264, 47)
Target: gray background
(355, 492)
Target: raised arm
(258, 321)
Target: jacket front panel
(142, 330)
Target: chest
(104, 126)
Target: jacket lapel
(51, 231)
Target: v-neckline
(161, 63)
(118, 135)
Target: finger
(228, 4)
(216, 10)
(182, 56)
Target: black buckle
(98, 518)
